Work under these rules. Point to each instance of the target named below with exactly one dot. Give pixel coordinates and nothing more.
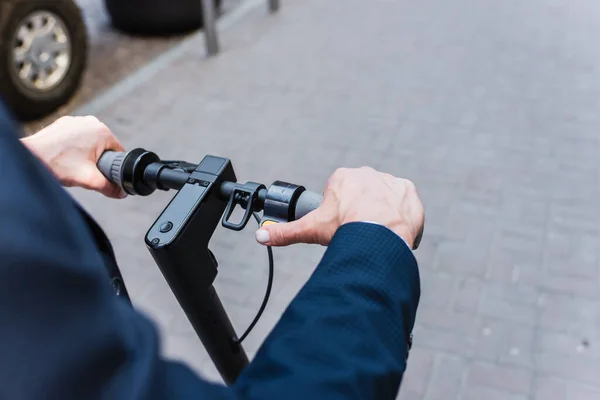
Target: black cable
(268, 292)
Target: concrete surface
(491, 107)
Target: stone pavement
(491, 107)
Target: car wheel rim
(41, 51)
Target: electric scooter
(207, 193)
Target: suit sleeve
(63, 332)
(65, 335)
(346, 334)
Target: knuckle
(65, 118)
(91, 119)
(338, 174)
(408, 184)
(95, 124)
(105, 132)
(412, 187)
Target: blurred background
(492, 108)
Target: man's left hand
(71, 147)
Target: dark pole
(210, 29)
(273, 5)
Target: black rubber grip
(307, 202)
(109, 164)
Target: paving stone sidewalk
(491, 107)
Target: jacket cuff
(377, 223)
(388, 265)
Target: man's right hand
(354, 195)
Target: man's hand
(354, 195)
(71, 146)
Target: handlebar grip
(110, 163)
(307, 202)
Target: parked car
(43, 54)
(156, 17)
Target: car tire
(61, 52)
(157, 17)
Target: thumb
(287, 233)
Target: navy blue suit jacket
(64, 334)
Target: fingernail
(263, 236)
(122, 195)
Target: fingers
(304, 230)
(113, 143)
(113, 191)
(91, 178)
